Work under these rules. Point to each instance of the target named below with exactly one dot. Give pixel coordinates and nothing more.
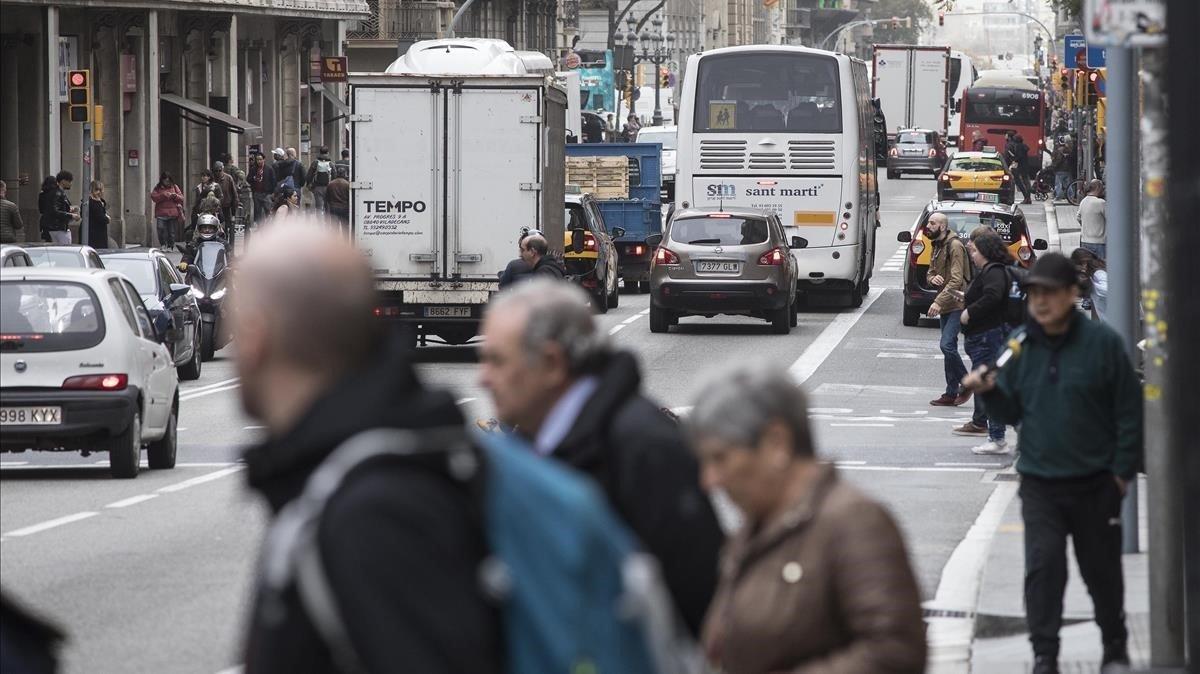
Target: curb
(1052, 225)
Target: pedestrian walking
(337, 198)
(400, 544)
(12, 229)
(1093, 274)
(818, 578)
(262, 186)
(320, 172)
(228, 194)
(284, 169)
(287, 202)
(1016, 153)
(344, 161)
(57, 212)
(553, 375)
(984, 327)
(168, 209)
(949, 270)
(206, 197)
(1093, 223)
(297, 168)
(535, 251)
(98, 218)
(1071, 390)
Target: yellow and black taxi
(976, 176)
(589, 254)
(1006, 220)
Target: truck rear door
(494, 158)
(892, 86)
(930, 80)
(396, 209)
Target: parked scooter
(205, 267)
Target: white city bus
(787, 129)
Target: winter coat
(55, 207)
(262, 182)
(986, 299)
(168, 201)
(949, 260)
(514, 271)
(827, 587)
(337, 195)
(228, 189)
(401, 544)
(12, 229)
(639, 458)
(97, 223)
(548, 267)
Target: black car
(1007, 221)
(155, 278)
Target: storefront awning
(202, 114)
(338, 104)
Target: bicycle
(1076, 191)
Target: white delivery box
(456, 148)
(913, 87)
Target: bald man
(400, 544)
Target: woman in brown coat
(818, 578)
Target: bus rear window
(1012, 114)
(775, 92)
(41, 316)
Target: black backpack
(1014, 308)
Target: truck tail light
(386, 312)
(665, 256)
(97, 382)
(773, 258)
(639, 250)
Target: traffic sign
(333, 68)
(1077, 53)
(1121, 23)
(572, 61)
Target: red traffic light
(78, 79)
(1093, 76)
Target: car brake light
(932, 153)
(97, 382)
(1006, 178)
(665, 256)
(719, 215)
(589, 242)
(772, 258)
(945, 177)
(893, 152)
(639, 250)
(384, 312)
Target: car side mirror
(654, 240)
(577, 240)
(178, 290)
(618, 232)
(1040, 244)
(799, 242)
(904, 237)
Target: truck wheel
(794, 320)
(660, 321)
(911, 316)
(125, 452)
(160, 454)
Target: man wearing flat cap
(1068, 384)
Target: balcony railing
(404, 20)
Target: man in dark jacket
(12, 229)
(400, 544)
(535, 251)
(228, 192)
(1070, 386)
(1016, 154)
(262, 186)
(553, 375)
(57, 211)
(337, 197)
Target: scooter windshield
(210, 258)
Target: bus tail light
(665, 256)
(773, 258)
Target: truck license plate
(718, 267)
(30, 416)
(447, 312)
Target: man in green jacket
(1068, 383)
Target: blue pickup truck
(640, 215)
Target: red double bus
(993, 107)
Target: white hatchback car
(81, 369)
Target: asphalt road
(153, 574)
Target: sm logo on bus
(722, 191)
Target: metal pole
(657, 119)
(85, 180)
(1121, 180)
(1163, 466)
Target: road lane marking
(132, 500)
(644, 312)
(849, 463)
(180, 486)
(616, 329)
(254, 428)
(104, 464)
(852, 425)
(971, 464)
(216, 384)
(50, 524)
(828, 340)
(831, 389)
(830, 410)
(909, 356)
(9, 464)
(200, 394)
(892, 412)
(918, 469)
(631, 319)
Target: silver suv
(728, 261)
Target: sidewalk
(1001, 643)
(1062, 226)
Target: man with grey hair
(553, 375)
(535, 251)
(400, 544)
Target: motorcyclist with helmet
(208, 228)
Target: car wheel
(125, 452)
(614, 300)
(794, 318)
(781, 320)
(207, 341)
(912, 316)
(191, 369)
(660, 321)
(600, 301)
(160, 454)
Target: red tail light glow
(589, 242)
(665, 256)
(932, 153)
(639, 250)
(893, 152)
(773, 257)
(945, 177)
(97, 382)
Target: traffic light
(1093, 87)
(941, 18)
(895, 23)
(665, 77)
(79, 95)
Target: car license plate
(988, 197)
(718, 267)
(30, 416)
(447, 312)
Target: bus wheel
(856, 296)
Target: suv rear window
(730, 231)
(963, 222)
(41, 316)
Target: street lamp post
(656, 50)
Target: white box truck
(913, 87)
(456, 148)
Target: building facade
(181, 82)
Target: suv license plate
(30, 416)
(447, 312)
(718, 267)
(988, 197)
